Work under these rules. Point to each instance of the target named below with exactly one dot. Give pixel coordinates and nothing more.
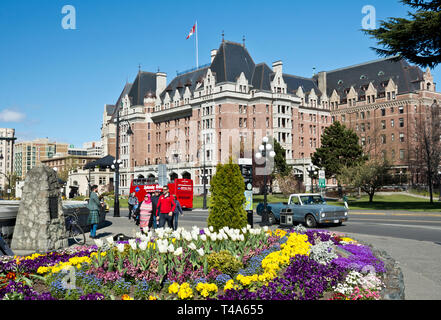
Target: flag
(192, 31)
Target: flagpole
(197, 53)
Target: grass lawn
(381, 202)
(392, 202)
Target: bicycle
(74, 229)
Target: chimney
(161, 82)
(213, 54)
(321, 77)
(278, 67)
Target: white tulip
(171, 248)
(187, 236)
(120, 247)
(99, 243)
(132, 243)
(195, 235)
(213, 237)
(211, 228)
(201, 252)
(192, 246)
(178, 251)
(204, 237)
(110, 240)
(248, 226)
(143, 245)
(265, 228)
(241, 237)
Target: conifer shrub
(227, 198)
(224, 262)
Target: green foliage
(227, 198)
(369, 176)
(280, 165)
(416, 39)
(224, 262)
(339, 148)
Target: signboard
(248, 200)
(322, 179)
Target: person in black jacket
(154, 218)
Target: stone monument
(40, 224)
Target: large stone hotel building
(224, 109)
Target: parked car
(308, 208)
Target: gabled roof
(145, 82)
(189, 79)
(377, 72)
(261, 77)
(307, 84)
(230, 61)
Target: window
(383, 112)
(401, 123)
(401, 154)
(383, 139)
(401, 137)
(392, 123)
(401, 110)
(392, 137)
(383, 124)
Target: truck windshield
(312, 199)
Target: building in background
(28, 154)
(94, 148)
(7, 137)
(224, 108)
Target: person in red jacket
(166, 206)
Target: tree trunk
(371, 197)
(429, 182)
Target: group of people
(154, 211)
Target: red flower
(10, 276)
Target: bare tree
(427, 148)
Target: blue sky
(54, 82)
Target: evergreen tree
(339, 148)
(280, 165)
(227, 198)
(417, 39)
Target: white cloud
(7, 115)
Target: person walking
(144, 211)
(166, 206)
(94, 207)
(178, 211)
(154, 218)
(132, 201)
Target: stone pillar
(40, 224)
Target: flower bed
(231, 264)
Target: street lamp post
(117, 163)
(311, 171)
(263, 148)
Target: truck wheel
(310, 221)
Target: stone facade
(40, 224)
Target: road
(396, 224)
